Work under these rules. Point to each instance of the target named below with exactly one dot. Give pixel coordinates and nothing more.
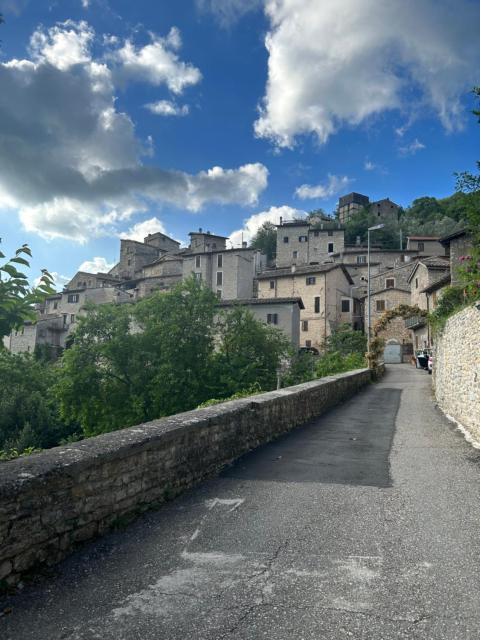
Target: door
(393, 352)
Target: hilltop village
(315, 283)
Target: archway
(377, 344)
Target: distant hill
(425, 216)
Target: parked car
(430, 364)
(421, 359)
(309, 350)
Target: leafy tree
(302, 369)
(30, 415)
(17, 298)
(249, 353)
(345, 340)
(265, 240)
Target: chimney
(244, 244)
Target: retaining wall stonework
(53, 500)
(456, 370)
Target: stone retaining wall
(456, 369)
(53, 500)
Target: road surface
(362, 524)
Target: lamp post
(377, 226)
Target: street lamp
(377, 226)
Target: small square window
(295, 254)
(316, 233)
(308, 343)
(345, 306)
(310, 280)
(198, 276)
(285, 239)
(380, 305)
(73, 297)
(390, 283)
(330, 233)
(272, 318)
(272, 284)
(302, 238)
(361, 259)
(421, 246)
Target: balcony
(415, 322)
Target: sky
(120, 118)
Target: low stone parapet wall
(456, 369)
(51, 501)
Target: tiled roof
(305, 269)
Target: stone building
(326, 292)
(280, 313)
(351, 204)
(426, 274)
(230, 273)
(385, 209)
(301, 243)
(135, 255)
(426, 245)
(457, 245)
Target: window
(219, 293)
(308, 343)
(302, 238)
(72, 318)
(316, 233)
(345, 306)
(330, 233)
(295, 254)
(285, 239)
(330, 247)
(197, 262)
(129, 262)
(55, 305)
(389, 283)
(317, 304)
(310, 280)
(198, 276)
(304, 325)
(421, 246)
(219, 261)
(64, 319)
(73, 297)
(272, 318)
(416, 283)
(219, 278)
(380, 305)
(272, 284)
(361, 259)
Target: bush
(452, 300)
(334, 362)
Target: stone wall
(53, 500)
(456, 369)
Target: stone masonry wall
(456, 369)
(53, 500)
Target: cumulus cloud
(96, 265)
(353, 59)
(141, 230)
(167, 108)
(71, 163)
(411, 148)
(227, 12)
(156, 63)
(252, 224)
(331, 187)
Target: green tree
(249, 353)
(30, 414)
(17, 298)
(265, 240)
(345, 340)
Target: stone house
(426, 245)
(135, 255)
(351, 204)
(423, 280)
(457, 245)
(300, 242)
(326, 292)
(230, 273)
(280, 313)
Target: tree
(345, 340)
(249, 353)
(265, 240)
(17, 298)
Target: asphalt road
(362, 524)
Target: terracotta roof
(434, 263)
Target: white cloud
(63, 45)
(96, 265)
(71, 163)
(331, 187)
(59, 281)
(369, 165)
(229, 11)
(141, 230)
(252, 224)
(353, 59)
(167, 108)
(411, 148)
(85, 4)
(156, 63)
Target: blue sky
(120, 118)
